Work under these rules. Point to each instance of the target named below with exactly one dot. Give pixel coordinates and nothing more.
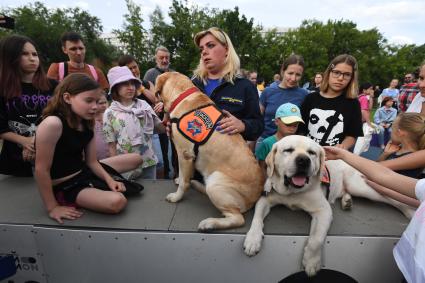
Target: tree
(268, 55)
(158, 31)
(133, 34)
(178, 36)
(243, 34)
(45, 26)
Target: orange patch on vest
(198, 125)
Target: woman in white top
(416, 105)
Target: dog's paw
(207, 225)
(346, 202)
(311, 264)
(173, 197)
(252, 243)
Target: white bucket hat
(117, 75)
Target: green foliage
(45, 26)
(133, 34)
(318, 42)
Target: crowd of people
(66, 126)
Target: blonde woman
(218, 76)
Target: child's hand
(168, 128)
(390, 148)
(28, 155)
(334, 152)
(159, 107)
(66, 212)
(28, 143)
(116, 186)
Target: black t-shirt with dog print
(319, 113)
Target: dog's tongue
(299, 180)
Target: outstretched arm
(413, 160)
(94, 165)
(393, 194)
(375, 171)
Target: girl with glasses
(332, 115)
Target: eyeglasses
(407, 78)
(345, 76)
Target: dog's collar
(182, 96)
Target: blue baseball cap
(289, 113)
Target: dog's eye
(311, 152)
(288, 150)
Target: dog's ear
(270, 161)
(159, 83)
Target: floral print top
(119, 126)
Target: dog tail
(198, 186)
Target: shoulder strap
(159, 70)
(93, 72)
(61, 71)
(332, 123)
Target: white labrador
(294, 168)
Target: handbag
(132, 188)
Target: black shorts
(66, 192)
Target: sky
(400, 21)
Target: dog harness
(326, 179)
(199, 124)
(196, 125)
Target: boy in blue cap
(287, 119)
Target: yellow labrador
(294, 169)
(233, 178)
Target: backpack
(63, 71)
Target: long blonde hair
(414, 125)
(352, 87)
(232, 62)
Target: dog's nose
(302, 161)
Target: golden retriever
(233, 178)
(294, 170)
